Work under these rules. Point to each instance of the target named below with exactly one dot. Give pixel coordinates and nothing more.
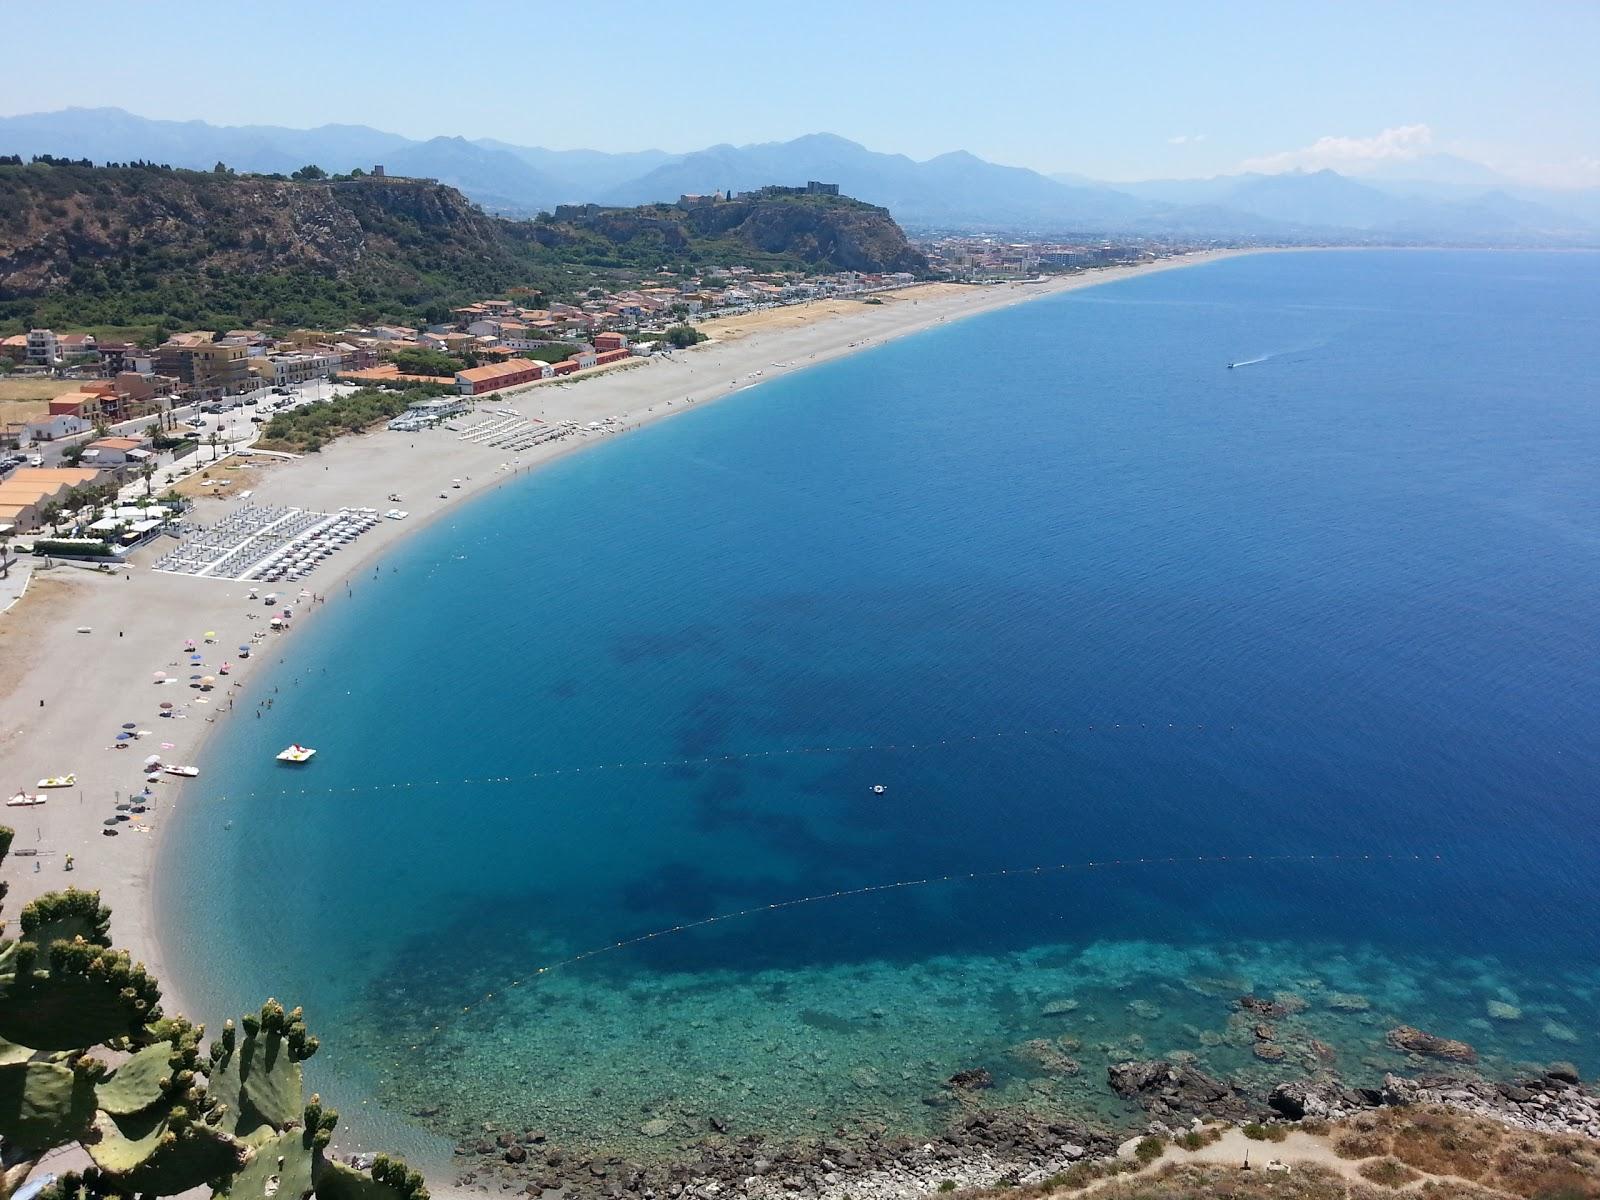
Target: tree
(166, 1119)
(5, 553)
(681, 336)
(147, 472)
(310, 171)
(221, 168)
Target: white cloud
(1348, 154)
(1186, 139)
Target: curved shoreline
(86, 685)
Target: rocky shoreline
(983, 1147)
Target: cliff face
(844, 234)
(824, 233)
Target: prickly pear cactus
(258, 1075)
(163, 1120)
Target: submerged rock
(656, 1127)
(1415, 1041)
(1499, 1010)
(1268, 1052)
(1059, 1008)
(972, 1079)
(1556, 1031)
(1348, 1002)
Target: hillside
(139, 245)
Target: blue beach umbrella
(122, 737)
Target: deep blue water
(1341, 601)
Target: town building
(26, 492)
(475, 381)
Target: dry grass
(1430, 1153)
(1389, 1172)
(36, 387)
(232, 476)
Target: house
(604, 342)
(611, 356)
(44, 348)
(57, 425)
(114, 357)
(116, 451)
(490, 377)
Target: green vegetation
(65, 548)
(166, 1119)
(141, 245)
(310, 427)
(418, 361)
(1265, 1133)
(552, 352)
(1149, 1149)
(680, 337)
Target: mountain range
(1432, 198)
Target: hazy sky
(1112, 90)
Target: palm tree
(147, 473)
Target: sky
(1115, 91)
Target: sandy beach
(79, 655)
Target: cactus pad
(85, 996)
(44, 1104)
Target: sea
(1017, 695)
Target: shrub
(1388, 1172)
(65, 547)
(1149, 1149)
(947, 1185)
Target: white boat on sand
(67, 780)
(186, 772)
(25, 800)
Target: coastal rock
(1562, 1072)
(1415, 1041)
(1163, 1086)
(1301, 1098)
(1268, 1052)
(1499, 1010)
(516, 1154)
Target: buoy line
(536, 973)
(714, 759)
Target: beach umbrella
(194, 658)
(122, 737)
(209, 681)
(109, 821)
(166, 704)
(161, 674)
(246, 648)
(130, 725)
(153, 761)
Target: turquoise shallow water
(1336, 603)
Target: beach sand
(64, 694)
